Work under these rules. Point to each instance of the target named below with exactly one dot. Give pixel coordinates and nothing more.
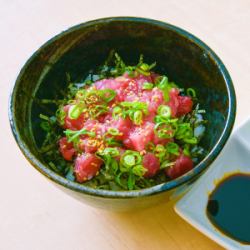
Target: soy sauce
(228, 207)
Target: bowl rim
(199, 168)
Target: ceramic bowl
(180, 55)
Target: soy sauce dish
(222, 212)
(120, 112)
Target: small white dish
(234, 158)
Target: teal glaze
(180, 55)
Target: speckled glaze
(180, 55)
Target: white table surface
(36, 215)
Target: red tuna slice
(151, 163)
(183, 164)
(66, 149)
(108, 84)
(87, 166)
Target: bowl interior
(86, 46)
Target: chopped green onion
(160, 151)
(117, 111)
(45, 126)
(163, 82)
(113, 131)
(152, 65)
(144, 67)
(72, 135)
(113, 152)
(192, 140)
(172, 148)
(145, 73)
(74, 112)
(201, 111)
(164, 130)
(53, 166)
(137, 117)
(166, 164)
(164, 111)
(129, 160)
(147, 85)
(131, 180)
(114, 165)
(139, 170)
(91, 97)
(80, 94)
(60, 115)
(70, 174)
(112, 142)
(136, 106)
(107, 94)
(44, 117)
(88, 82)
(184, 131)
(191, 92)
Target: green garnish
(137, 117)
(113, 131)
(113, 152)
(73, 135)
(164, 111)
(164, 130)
(147, 85)
(107, 94)
(191, 92)
(172, 148)
(74, 112)
(165, 86)
(160, 151)
(129, 159)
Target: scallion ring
(74, 112)
(107, 94)
(129, 158)
(164, 111)
(167, 164)
(139, 170)
(113, 152)
(172, 148)
(137, 117)
(147, 86)
(191, 92)
(160, 151)
(113, 131)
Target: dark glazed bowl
(180, 55)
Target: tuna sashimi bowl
(123, 127)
